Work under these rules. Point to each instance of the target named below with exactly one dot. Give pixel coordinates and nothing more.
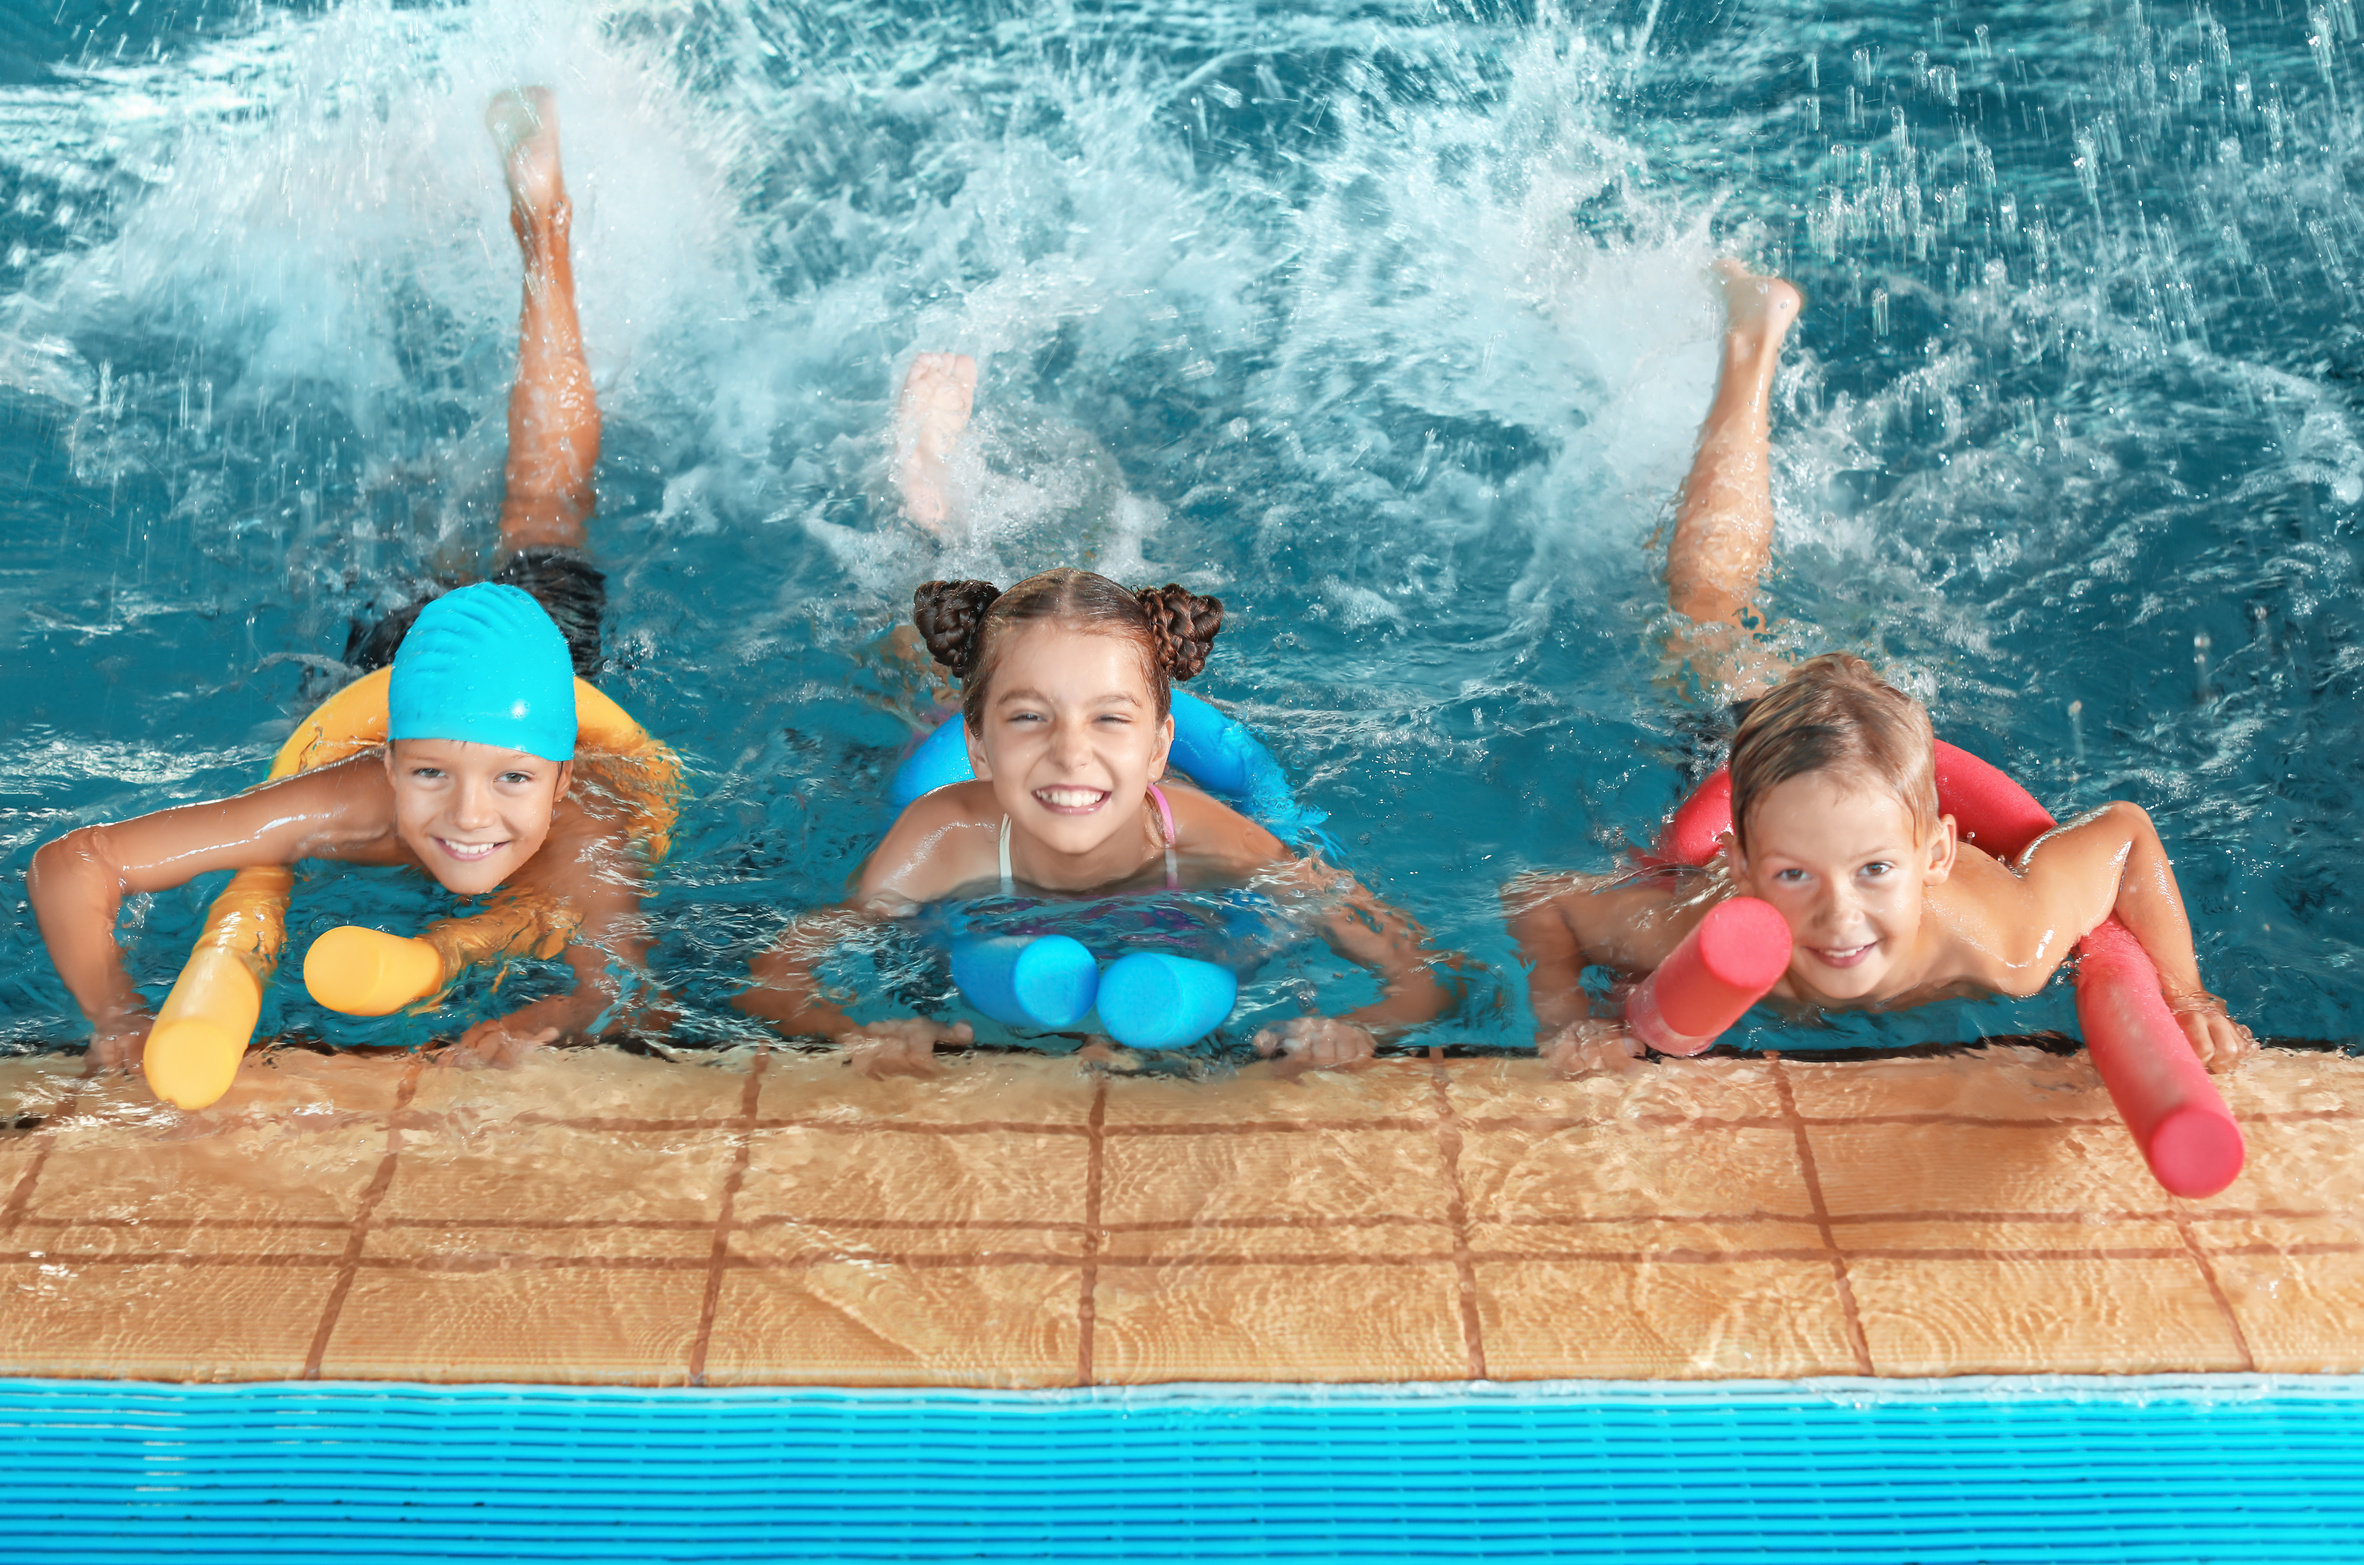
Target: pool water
(1385, 322)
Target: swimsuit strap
(1009, 885)
(1165, 817)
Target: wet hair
(1835, 714)
(966, 623)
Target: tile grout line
(357, 1234)
(2232, 1318)
(1849, 1314)
(1087, 1310)
(838, 1257)
(20, 1199)
(726, 1212)
(1448, 1146)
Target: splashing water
(1388, 323)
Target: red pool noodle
(1738, 952)
(2162, 1091)
(1692, 832)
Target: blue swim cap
(484, 663)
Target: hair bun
(949, 615)
(1182, 626)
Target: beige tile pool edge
(775, 1219)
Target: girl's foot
(1758, 311)
(938, 392)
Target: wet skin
(1850, 872)
(473, 814)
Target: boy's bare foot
(939, 391)
(1758, 311)
(524, 124)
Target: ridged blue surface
(100, 1471)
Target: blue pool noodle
(941, 760)
(1149, 1000)
(1047, 981)
(1216, 750)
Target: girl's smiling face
(1071, 742)
(1849, 869)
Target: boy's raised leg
(1723, 537)
(553, 412)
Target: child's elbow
(2125, 816)
(66, 858)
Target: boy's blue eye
(1878, 867)
(1790, 877)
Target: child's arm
(1352, 922)
(917, 863)
(584, 888)
(787, 994)
(1373, 935)
(1566, 923)
(2107, 862)
(77, 883)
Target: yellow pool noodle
(365, 972)
(200, 1034)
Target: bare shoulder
(1207, 828)
(942, 840)
(1992, 920)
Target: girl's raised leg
(938, 393)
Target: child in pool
(1835, 819)
(1066, 686)
(477, 785)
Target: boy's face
(1842, 860)
(1072, 739)
(473, 813)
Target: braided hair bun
(1182, 627)
(950, 616)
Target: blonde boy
(1834, 804)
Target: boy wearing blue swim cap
(1836, 819)
(476, 784)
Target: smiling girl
(478, 784)
(1835, 818)
(1066, 695)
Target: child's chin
(472, 880)
(1847, 983)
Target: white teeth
(471, 850)
(1070, 798)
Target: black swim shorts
(562, 581)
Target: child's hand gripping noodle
(1068, 725)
